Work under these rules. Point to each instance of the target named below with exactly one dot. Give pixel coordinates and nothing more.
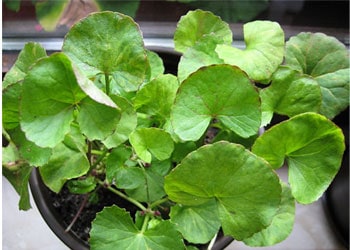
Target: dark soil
(68, 204)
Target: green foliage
(222, 173)
(185, 150)
(114, 228)
(311, 145)
(196, 24)
(264, 45)
(326, 60)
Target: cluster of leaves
(103, 113)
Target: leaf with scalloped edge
(311, 145)
(113, 228)
(109, 43)
(264, 50)
(30, 53)
(198, 224)
(149, 142)
(50, 93)
(195, 24)
(326, 60)
(222, 92)
(290, 93)
(245, 189)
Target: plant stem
(89, 152)
(158, 202)
(145, 222)
(83, 203)
(107, 83)
(122, 195)
(100, 158)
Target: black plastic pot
(44, 201)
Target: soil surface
(67, 206)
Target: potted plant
(185, 150)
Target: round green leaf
(326, 60)
(264, 50)
(245, 188)
(50, 93)
(156, 97)
(151, 141)
(195, 24)
(113, 228)
(221, 92)
(198, 224)
(290, 93)
(311, 145)
(282, 223)
(110, 43)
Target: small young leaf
(311, 145)
(326, 60)
(264, 46)
(198, 224)
(281, 226)
(149, 142)
(245, 188)
(195, 24)
(113, 228)
(156, 97)
(223, 92)
(82, 186)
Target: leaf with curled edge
(264, 50)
